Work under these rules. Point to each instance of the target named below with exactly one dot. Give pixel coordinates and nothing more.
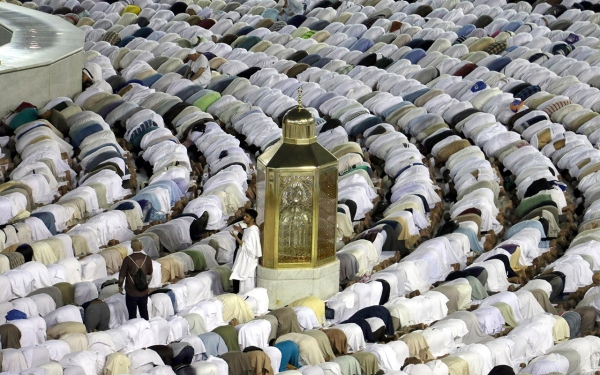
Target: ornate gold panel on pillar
(297, 197)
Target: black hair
(252, 213)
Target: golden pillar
(297, 205)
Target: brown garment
(10, 336)
(14, 259)
(588, 318)
(129, 268)
(542, 298)
(338, 341)
(417, 346)
(238, 362)
(68, 292)
(260, 361)
(452, 148)
(452, 294)
(368, 362)
(287, 321)
(324, 344)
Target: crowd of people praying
(468, 220)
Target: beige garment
(417, 346)
(507, 313)
(42, 252)
(100, 190)
(261, 363)
(77, 341)
(344, 226)
(58, 330)
(113, 260)
(57, 247)
(542, 298)
(451, 292)
(235, 307)
(456, 366)
(133, 219)
(227, 195)
(80, 246)
(77, 204)
(171, 269)
(368, 362)
(560, 330)
(52, 368)
(308, 346)
(116, 364)
(121, 249)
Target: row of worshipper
(48, 244)
(525, 309)
(202, 329)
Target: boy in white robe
(246, 259)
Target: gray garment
(574, 321)
(348, 266)
(475, 335)
(96, 316)
(349, 365)
(187, 370)
(217, 283)
(478, 291)
(53, 292)
(108, 291)
(177, 347)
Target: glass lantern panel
(327, 213)
(295, 219)
(261, 186)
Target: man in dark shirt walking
(135, 299)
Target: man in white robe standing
(246, 258)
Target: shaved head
(136, 245)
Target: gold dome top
(299, 124)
